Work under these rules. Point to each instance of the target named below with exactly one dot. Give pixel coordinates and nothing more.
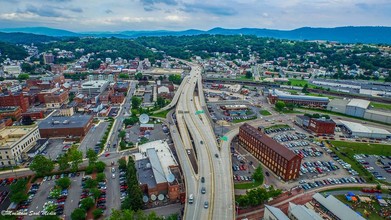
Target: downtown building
(279, 159)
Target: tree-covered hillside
(12, 51)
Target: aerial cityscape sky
(114, 15)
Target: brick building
(14, 99)
(317, 125)
(302, 100)
(117, 98)
(34, 114)
(75, 127)
(279, 159)
(13, 112)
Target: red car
(107, 154)
(123, 187)
(101, 207)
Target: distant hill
(42, 31)
(341, 34)
(12, 51)
(25, 38)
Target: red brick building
(64, 126)
(322, 126)
(16, 99)
(34, 114)
(279, 159)
(13, 112)
(117, 98)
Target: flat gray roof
(337, 207)
(144, 173)
(77, 121)
(360, 103)
(156, 166)
(277, 212)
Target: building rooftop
(38, 145)
(145, 173)
(8, 109)
(288, 96)
(336, 207)
(10, 135)
(163, 152)
(94, 84)
(360, 128)
(360, 103)
(277, 212)
(75, 121)
(156, 166)
(303, 213)
(268, 141)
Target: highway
(214, 164)
(176, 97)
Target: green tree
(95, 64)
(97, 213)
(100, 166)
(249, 75)
(138, 76)
(100, 177)
(280, 105)
(78, 214)
(378, 186)
(136, 102)
(123, 76)
(92, 156)
(18, 191)
(95, 193)
(122, 134)
(290, 106)
(258, 174)
(91, 183)
(175, 78)
(23, 76)
(63, 162)
(87, 203)
(64, 182)
(41, 165)
(122, 163)
(75, 158)
(305, 88)
(160, 102)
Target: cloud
(210, 9)
(77, 10)
(43, 11)
(153, 2)
(108, 11)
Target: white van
(191, 199)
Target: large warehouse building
(73, 127)
(362, 131)
(314, 101)
(282, 161)
(359, 108)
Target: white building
(362, 131)
(94, 88)
(16, 140)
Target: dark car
(202, 179)
(267, 173)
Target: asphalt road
(112, 194)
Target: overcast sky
(118, 15)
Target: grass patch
(162, 114)
(287, 111)
(244, 78)
(383, 106)
(300, 82)
(265, 112)
(362, 148)
(247, 185)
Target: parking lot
(93, 136)
(379, 166)
(134, 135)
(219, 112)
(242, 172)
(68, 199)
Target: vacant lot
(363, 148)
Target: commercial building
(158, 172)
(273, 213)
(14, 99)
(335, 208)
(38, 148)
(14, 141)
(279, 159)
(94, 88)
(363, 131)
(13, 112)
(313, 101)
(317, 125)
(73, 127)
(48, 58)
(34, 114)
(301, 212)
(357, 107)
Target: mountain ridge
(347, 34)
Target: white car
(113, 176)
